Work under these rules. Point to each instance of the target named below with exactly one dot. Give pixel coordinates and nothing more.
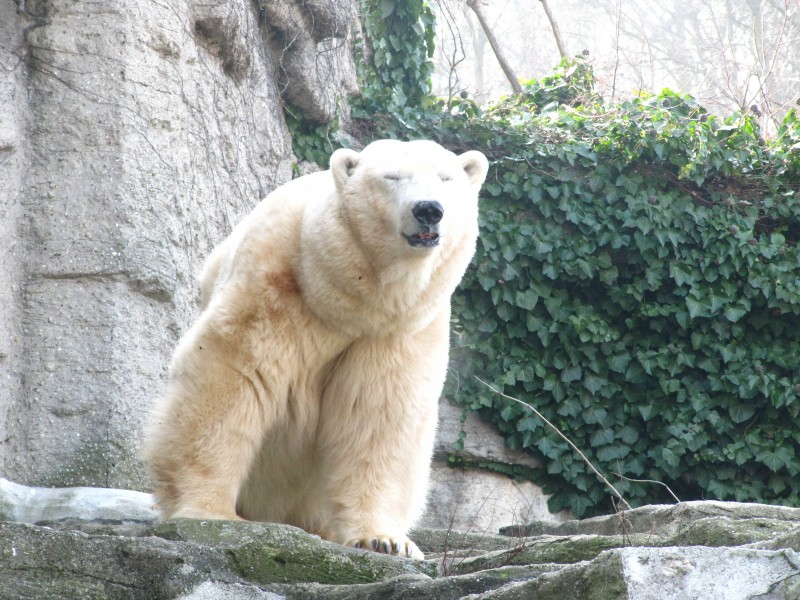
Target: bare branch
(510, 75)
(767, 65)
(616, 51)
(457, 56)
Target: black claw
(374, 543)
(396, 548)
(357, 544)
(386, 547)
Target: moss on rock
(273, 553)
(724, 531)
(543, 550)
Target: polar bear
(307, 390)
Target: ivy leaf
(558, 502)
(507, 413)
(579, 504)
(696, 308)
(719, 490)
(734, 313)
(487, 325)
(571, 374)
(776, 459)
(585, 268)
(594, 383)
(527, 300)
(548, 447)
(612, 453)
(670, 457)
(629, 435)
(682, 274)
(570, 407)
(509, 253)
(556, 307)
(543, 247)
(742, 412)
(619, 362)
(594, 415)
(549, 270)
(602, 437)
(647, 411)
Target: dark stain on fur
(283, 282)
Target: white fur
(306, 392)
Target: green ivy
(636, 279)
(394, 68)
(312, 142)
(394, 62)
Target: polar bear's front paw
(384, 544)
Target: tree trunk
(510, 75)
(554, 26)
(479, 40)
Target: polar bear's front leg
(377, 429)
(205, 434)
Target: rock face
(708, 550)
(479, 500)
(133, 135)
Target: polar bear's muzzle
(428, 214)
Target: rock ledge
(92, 543)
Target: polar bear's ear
(475, 166)
(343, 162)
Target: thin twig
(565, 438)
(623, 523)
(621, 476)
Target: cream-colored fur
(306, 392)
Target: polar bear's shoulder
(268, 236)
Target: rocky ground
(88, 543)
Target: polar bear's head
(409, 197)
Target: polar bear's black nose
(428, 212)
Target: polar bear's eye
(445, 177)
(393, 176)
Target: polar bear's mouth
(424, 238)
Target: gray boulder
(83, 544)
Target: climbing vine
(394, 59)
(636, 278)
